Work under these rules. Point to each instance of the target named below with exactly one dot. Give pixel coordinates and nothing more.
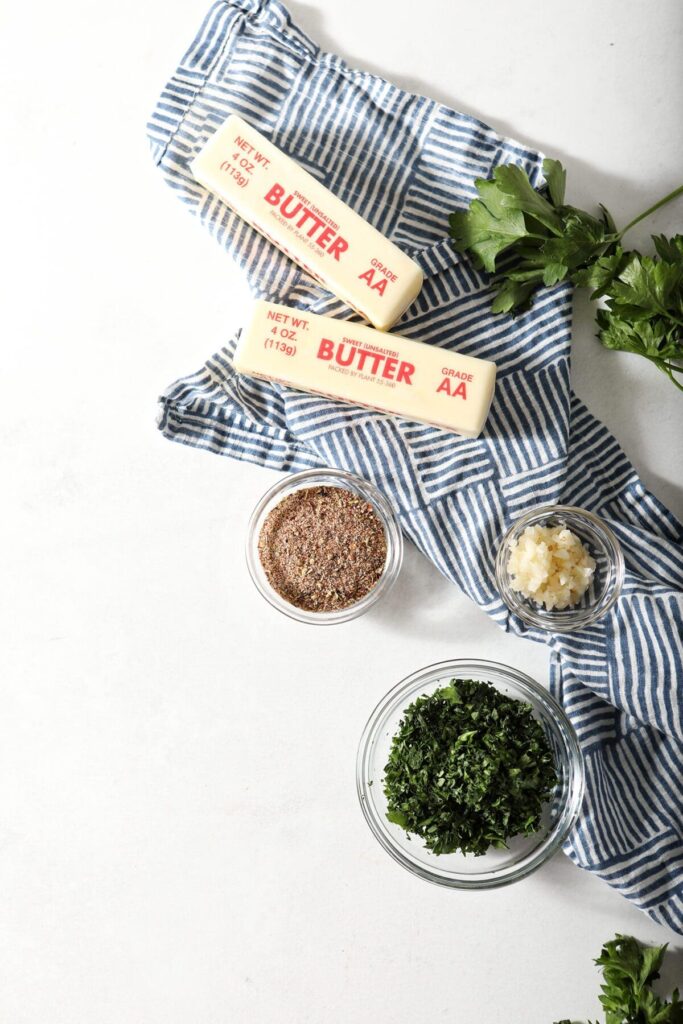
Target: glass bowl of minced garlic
(559, 568)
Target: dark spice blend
(322, 548)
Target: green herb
(629, 968)
(645, 307)
(468, 769)
(548, 241)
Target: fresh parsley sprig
(644, 311)
(528, 239)
(629, 969)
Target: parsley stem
(667, 367)
(663, 311)
(662, 202)
(669, 371)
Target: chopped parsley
(469, 768)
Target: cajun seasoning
(322, 548)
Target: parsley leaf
(647, 286)
(670, 249)
(519, 194)
(600, 274)
(556, 177)
(512, 295)
(488, 229)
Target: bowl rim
(329, 476)
(568, 620)
(551, 710)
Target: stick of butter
(356, 364)
(308, 223)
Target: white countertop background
(180, 837)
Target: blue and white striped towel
(404, 163)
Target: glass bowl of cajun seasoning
(470, 774)
(323, 546)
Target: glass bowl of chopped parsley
(470, 774)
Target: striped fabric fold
(405, 162)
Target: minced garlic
(551, 566)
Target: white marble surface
(180, 838)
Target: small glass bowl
(326, 478)
(606, 583)
(496, 867)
